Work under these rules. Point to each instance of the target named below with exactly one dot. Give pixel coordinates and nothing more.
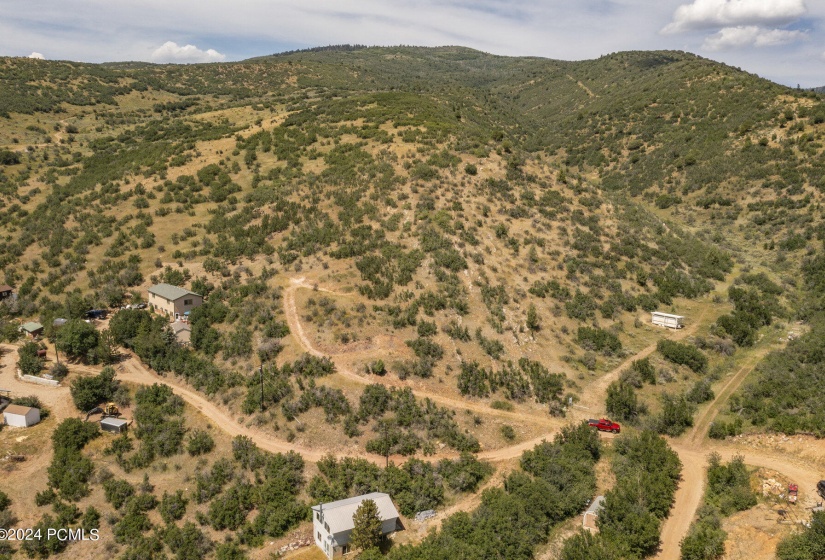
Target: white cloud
(172, 52)
(703, 14)
(37, 55)
(749, 36)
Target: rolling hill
(425, 250)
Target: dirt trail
(297, 329)
(597, 395)
(134, 371)
(693, 451)
(700, 428)
(57, 399)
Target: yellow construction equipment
(107, 410)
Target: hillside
(428, 252)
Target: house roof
(183, 336)
(114, 422)
(179, 326)
(17, 409)
(338, 515)
(5, 288)
(170, 292)
(660, 314)
(31, 326)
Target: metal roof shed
(32, 328)
(113, 425)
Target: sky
(782, 40)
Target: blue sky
(783, 40)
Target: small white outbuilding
(21, 416)
(667, 320)
(113, 425)
(592, 514)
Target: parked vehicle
(820, 488)
(605, 425)
(96, 314)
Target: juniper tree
(366, 531)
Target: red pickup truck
(604, 425)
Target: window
(318, 515)
(319, 536)
(187, 302)
(326, 526)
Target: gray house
(332, 522)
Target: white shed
(114, 425)
(667, 320)
(21, 416)
(592, 513)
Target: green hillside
(425, 251)
(438, 183)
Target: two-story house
(332, 522)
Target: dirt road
(297, 329)
(595, 398)
(693, 450)
(57, 399)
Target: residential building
(173, 301)
(332, 522)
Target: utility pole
(386, 434)
(262, 387)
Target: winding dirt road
(297, 329)
(693, 448)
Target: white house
(21, 416)
(332, 522)
(667, 320)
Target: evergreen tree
(29, 362)
(533, 320)
(622, 402)
(366, 531)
